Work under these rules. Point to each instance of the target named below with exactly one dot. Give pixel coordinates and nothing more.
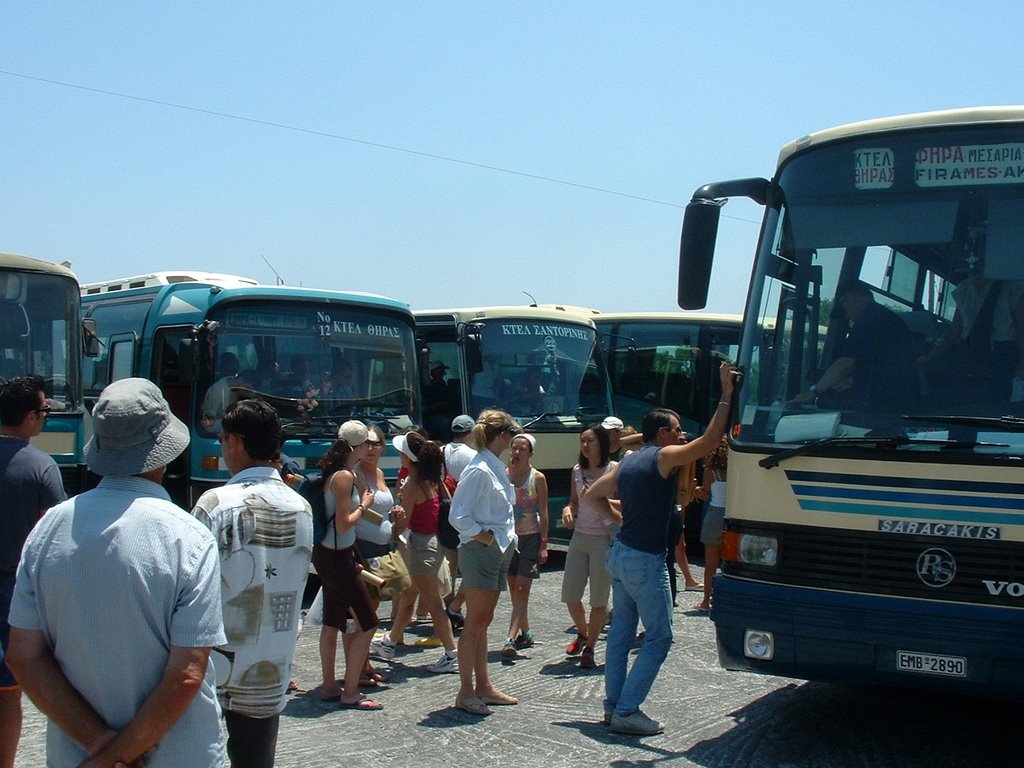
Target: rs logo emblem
(936, 567)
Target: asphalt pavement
(713, 717)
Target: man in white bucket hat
(117, 603)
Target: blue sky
(358, 145)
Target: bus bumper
(816, 634)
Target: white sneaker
(383, 647)
(445, 664)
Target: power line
(340, 137)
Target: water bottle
(774, 414)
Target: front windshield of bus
(889, 294)
(547, 372)
(319, 364)
(40, 333)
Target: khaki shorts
(585, 562)
(424, 554)
(484, 567)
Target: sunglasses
(45, 409)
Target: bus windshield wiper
(885, 442)
(1009, 423)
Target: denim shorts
(711, 528)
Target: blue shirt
(648, 500)
(113, 578)
(885, 375)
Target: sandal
(472, 705)
(362, 704)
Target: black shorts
(345, 595)
(526, 558)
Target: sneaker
(576, 646)
(637, 722)
(383, 648)
(525, 640)
(607, 719)
(587, 659)
(508, 650)
(445, 664)
(429, 642)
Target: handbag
(447, 536)
(391, 569)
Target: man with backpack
(457, 454)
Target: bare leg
(597, 619)
(328, 659)
(519, 590)
(10, 726)
(579, 618)
(429, 588)
(406, 604)
(712, 554)
(684, 564)
(473, 641)
(357, 646)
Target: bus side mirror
(188, 361)
(697, 252)
(90, 338)
(473, 350)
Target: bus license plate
(930, 664)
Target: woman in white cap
(345, 592)
(531, 516)
(421, 458)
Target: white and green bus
(875, 511)
(541, 364)
(41, 334)
(667, 360)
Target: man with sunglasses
(645, 484)
(30, 484)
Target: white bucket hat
(134, 430)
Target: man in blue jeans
(645, 483)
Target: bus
(541, 364)
(875, 509)
(667, 360)
(41, 333)
(319, 357)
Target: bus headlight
(750, 548)
(758, 644)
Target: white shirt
(457, 457)
(264, 532)
(484, 501)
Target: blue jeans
(640, 592)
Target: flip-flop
(362, 704)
